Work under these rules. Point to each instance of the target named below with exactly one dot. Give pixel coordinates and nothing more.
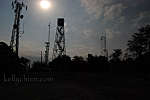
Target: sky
(85, 21)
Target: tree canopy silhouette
(139, 44)
(116, 56)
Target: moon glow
(45, 4)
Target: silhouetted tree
(116, 56)
(26, 62)
(78, 59)
(37, 66)
(97, 63)
(139, 44)
(61, 63)
(78, 63)
(9, 62)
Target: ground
(86, 86)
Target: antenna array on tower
(17, 7)
(59, 44)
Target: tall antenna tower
(47, 46)
(17, 6)
(41, 57)
(59, 44)
(104, 45)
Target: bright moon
(45, 4)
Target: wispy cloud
(141, 18)
(114, 12)
(95, 7)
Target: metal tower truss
(17, 7)
(59, 44)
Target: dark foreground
(83, 86)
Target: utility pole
(17, 7)
(59, 44)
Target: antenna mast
(47, 46)
(17, 7)
(41, 57)
(104, 45)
